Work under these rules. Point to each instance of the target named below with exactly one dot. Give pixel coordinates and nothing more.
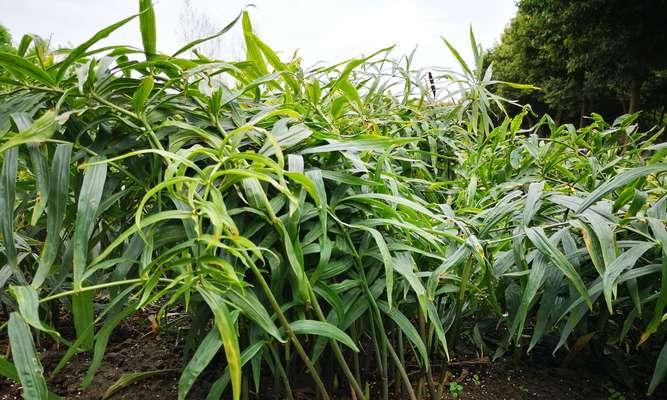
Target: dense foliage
(5, 39)
(323, 219)
(603, 56)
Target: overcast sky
(328, 31)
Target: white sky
(329, 31)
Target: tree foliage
(604, 56)
(5, 39)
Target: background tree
(601, 56)
(5, 39)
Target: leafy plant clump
(342, 222)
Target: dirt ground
(133, 348)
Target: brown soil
(133, 348)
(529, 381)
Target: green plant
(475, 380)
(455, 389)
(522, 389)
(321, 219)
(615, 395)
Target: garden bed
(135, 347)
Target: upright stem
(401, 370)
(378, 354)
(401, 354)
(385, 366)
(285, 324)
(244, 387)
(355, 356)
(281, 373)
(427, 368)
(460, 299)
(336, 347)
(374, 307)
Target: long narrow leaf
(26, 360)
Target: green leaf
(405, 265)
(458, 57)
(26, 360)
(535, 279)
(624, 261)
(592, 245)
(101, 341)
(221, 383)
(286, 138)
(547, 305)
(660, 371)
(350, 93)
(541, 242)
(434, 317)
(28, 303)
(58, 193)
(321, 328)
(24, 44)
(41, 130)
(145, 222)
(387, 259)
(457, 257)
(83, 314)
(187, 132)
(142, 93)
(295, 259)
(470, 191)
(408, 329)
(385, 198)
(277, 65)
(207, 349)
(520, 86)
(253, 52)
(532, 204)
(128, 379)
(228, 334)
(89, 200)
(619, 181)
(248, 303)
(7, 199)
(41, 177)
(659, 231)
(8, 370)
(360, 143)
(603, 232)
(638, 201)
(351, 66)
(22, 67)
(78, 52)
(147, 27)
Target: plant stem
(281, 372)
(401, 370)
(426, 368)
(337, 352)
(285, 324)
(94, 287)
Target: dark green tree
(5, 39)
(587, 56)
(531, 51)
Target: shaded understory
(135, 347)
